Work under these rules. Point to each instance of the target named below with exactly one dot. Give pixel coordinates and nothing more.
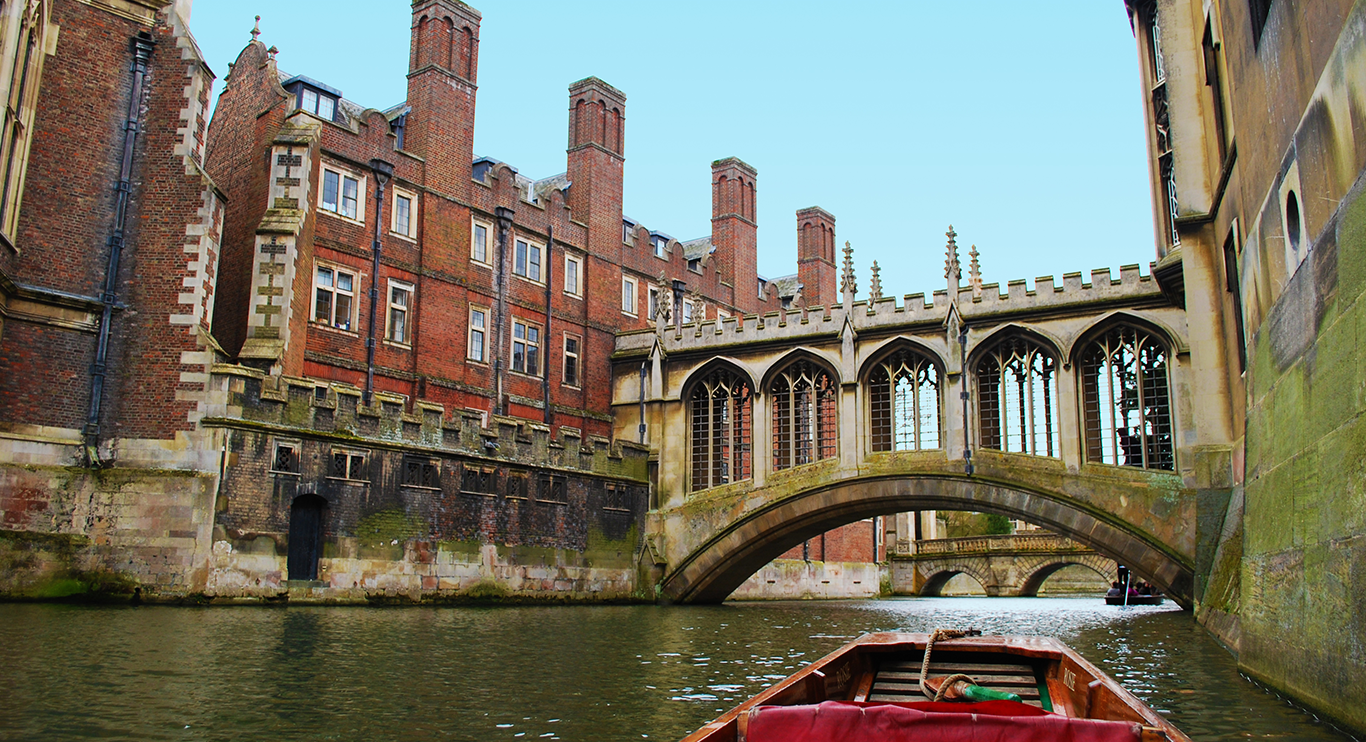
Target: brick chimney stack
(597, 155)
(816, 256)
(734, 230)
(443, 68)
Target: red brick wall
(816, 257)
(734, 231)
(848, 543)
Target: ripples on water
(529, 673)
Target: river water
(529, 673)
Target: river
(527, 673)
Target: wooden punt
(879, 674)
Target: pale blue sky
(1019, 123)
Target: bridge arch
(717, 566)
(936, 582)
(1052, 566)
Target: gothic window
(20, 97)
(903, 390)
(1125, 400)
(721, 418)
(1017, 392)
(803, 415)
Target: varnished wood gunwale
(1077, 688)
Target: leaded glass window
(904, 401)
(1126, 400)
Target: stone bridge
(1071, 406)
(1005, 566)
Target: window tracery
(803, 415)
(904, 403)
(721, 421)
(1017, 388)
(1126, 400)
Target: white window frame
(631, 307)
(475, 224)
(721, 316)
(531, 247)
(652, 302)
(577, 289)
(411, 233)
(483, 336)
(531, 348)
(390, 307)
(343, 174)
(689, 308)
(356, 278)
(318, 99)
(660, 247)
(577, 355)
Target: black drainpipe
(963, 370)
(641, 428)
(383, 172)
(142, 45)
(545, 346)
(504, 215)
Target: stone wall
(795, 579)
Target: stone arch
(794, 356)
(997, 335)
(936, 581)
(892, 345)
(1173, 340)
(738, 548)
(717, 363)
(1039, 575)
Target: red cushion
(839, 721)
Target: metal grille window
(286, 459)
(803, 415)
(478, 480)
(1017, 389)
(722, 406)
(552, 491)
(1126, 401)
(616, 497)
(348, 465)
(421, 473)
(903, 390)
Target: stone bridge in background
(1006, 566)
(1068, 406)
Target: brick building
(489, 290)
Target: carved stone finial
(952, 270)
(256, 31)
(975, 274)
(875, 286)
(272, 52)
(848, 283)
(699, 305)
(664, 307)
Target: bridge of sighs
(1070, 406)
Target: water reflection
(599, 673)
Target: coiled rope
(950, 680)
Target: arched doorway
(305, 536)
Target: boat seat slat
(914, 677)
(992, 667)
(914, 689)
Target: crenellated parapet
(247, 398)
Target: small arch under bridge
(1012, 403)
(1006, 565)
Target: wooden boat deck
(886, 668)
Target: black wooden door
(305, 536)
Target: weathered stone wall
(501, 512)
(796, 579)
(1303, 601)
(106, 533)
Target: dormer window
(660, 245)
(695, 265)
(324, 106)
(313, 96)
